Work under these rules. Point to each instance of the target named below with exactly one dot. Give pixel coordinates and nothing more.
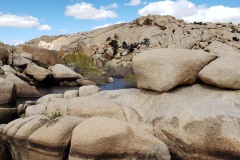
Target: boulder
(8, 70)
(43, 138)
(7, 91)
(121, 140)
(38, 109)
(66, 50)
(61, 72)
(38, 73)
(196, 122)
(82, 48)
(91, 107)
(70, 94)
(21, 60)
(88, 90)
(44, 56)
(3, 54)
(224, 72)
(23, 89)
(163, 69)
(48, 97)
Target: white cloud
(134, 3)
(190, 12)
(44, 27)
(17, 42)
(106, 25)
(10, 20)
(85, 10)
(114, 5)
(62, 30)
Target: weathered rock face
(23, 89)
(61, 72)
(7, 91)
(196, 122)
(126, 141)
(163, 69)
(3, 54)
(31, 130)
(37, 72)
(47, 57)
(47, 139)
(224, 72)
(80, 106)
(83, 49)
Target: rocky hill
(143, 33)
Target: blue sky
(22, 20)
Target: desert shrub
(108, 39)
(146, 41)
(114, 45)
(131, 48)
(124, 45)
(235, 39)
(55, 115)
(131, 81)
(82, 64)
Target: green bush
(55, 115)
(83, 65)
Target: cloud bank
(10, 20)
(190, 12)
(134, 3)
(86, 11)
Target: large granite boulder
(37, 72)
(23, 89)
(43, 138)
(7, 91)
(196, 122)
(44, 56)
(224, 72)
(106, 138)
(61, 72)
(163, 69)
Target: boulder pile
(186, 106)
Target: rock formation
(186, 106)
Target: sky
(23, 20)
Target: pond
(10, 109)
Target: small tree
(12, 54)
(115, 36)
(114, 45)
(146, 41)
(124, 45)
